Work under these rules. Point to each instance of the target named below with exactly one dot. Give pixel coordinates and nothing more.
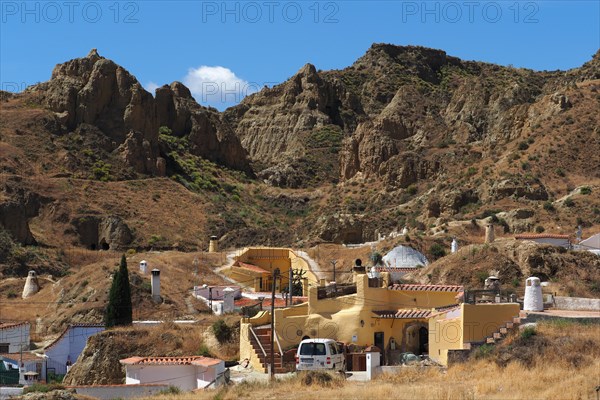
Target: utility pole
(275, 276)
(291, 286)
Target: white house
(65, 349)
(546, 238)
(28, 363)
(591, 244)
(186, 373)
(14, 337)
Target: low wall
(108, 392)
(7, 392)
(576, 303)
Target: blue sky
(224, 50)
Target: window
(313, 349)
(332, 349)
(4, 347)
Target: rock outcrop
(102, 233)
(273, 123)
(208, 136)
(16, 211)
(97, 92)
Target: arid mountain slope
(404, 136)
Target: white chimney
(156, 285)
(489, 233)
(533, 295)
(143, 266)
(32, 285)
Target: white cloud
(217, 85)
(151, 87)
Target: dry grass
(82, 295)
(551, 375)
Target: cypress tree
(119, 310)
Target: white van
(319, 354)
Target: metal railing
(258, 341)
(333, 291)
(489, 296)
(278, 346)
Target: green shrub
(569, 202)
(164, 130)
(204, 351)
(411, 190)
(483, 351)
(222, 331)
(528, 332)
(523, 146)
(471, 171)
(548, 206)
(42, 388)
(170, 390)
(539, 229)
(585, 190)
(437, 250)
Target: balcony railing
(332, 291)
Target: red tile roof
(426, 288)
(404, 314)
(27, 356)
(10, 325)
(541, 236)
(253, 268)
(189, 360)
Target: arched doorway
(416, 338)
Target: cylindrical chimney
(534, 300)
(143, 266)
(156, 285)
(489, 233)
(213, 245)
(31, 285)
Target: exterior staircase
(500, 333)
(261, 343)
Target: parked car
(320, 354)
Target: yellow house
(254, 268)
(395, 318)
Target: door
(379, 341)
(423, 340)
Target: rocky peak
(180, 90)
(96, 91)
(208, 135)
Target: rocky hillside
(404, 136)
(568, 273)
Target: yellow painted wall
(482, 320)
(445, 333)
(269, 258)
(246, 349)
(245, 278)
(471, 323)
(340, 318)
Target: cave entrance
(104, 245)
(93, 246)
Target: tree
(119, 310)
